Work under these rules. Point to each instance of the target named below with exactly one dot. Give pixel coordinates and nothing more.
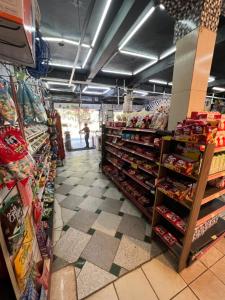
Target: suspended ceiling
(111, 50)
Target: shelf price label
(134, 166)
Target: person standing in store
(86, 131)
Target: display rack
(35, 190)
(134, 155)
(190, 225)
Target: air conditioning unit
(17, 32)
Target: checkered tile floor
(95, 228)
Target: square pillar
(193, 60)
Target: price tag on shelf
(167, 138)
(134, 166)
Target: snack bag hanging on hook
(14, 154)
(7, 106)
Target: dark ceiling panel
(218, 65)
(155, 36)
(59, 17)
(66, 53)
(165, 75)
(126, 63)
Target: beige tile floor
(156, 279)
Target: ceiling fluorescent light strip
(62, 65)
(144, 93)
(101, 22)
(158, 81)
(168, 52)
(98, 87)
(145, 67)
(92, 93)
(66, 41)
(219, 89)
(59, 83)
(86, 59)
(137, 27)
(62, 90)
(138, 54)
(117, 72)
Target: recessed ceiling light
(59, 83)
(144, 93)
(145, 67)
(66, 41)
(62, 65)
(85, 90)
(219, 89)
(117, 72)
(162, 6)
(211, 79)
(158, 81)
(86, 59)
(138, 54)
(168, 52)
(137, 27)
(101, 22)
(96, 87)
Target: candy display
(180, 190)
(31, 106)
(147, 120)
(181, 164)
(27, 173)
(202, 128)
(7, 106)
(11, 215)
(166, 236)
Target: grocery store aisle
(96, 229)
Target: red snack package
(13, 147)
(181, 225)
(172, 217)
(170, 239)
(162, 209)
(160, 230)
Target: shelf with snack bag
(139, 143)
(149, 130)
(129, 190)
(113, 135)
(113, 145)
(135, 178)
(150, 157)
(190, 182)
(136, 154)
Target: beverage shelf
(216, 175)
(212, 193)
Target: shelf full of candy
(132, 148)
(131, 190)
(188, 208)
(55, 131)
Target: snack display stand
(130, 158)
(187, 208)
(175, 180)
(28, 169)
